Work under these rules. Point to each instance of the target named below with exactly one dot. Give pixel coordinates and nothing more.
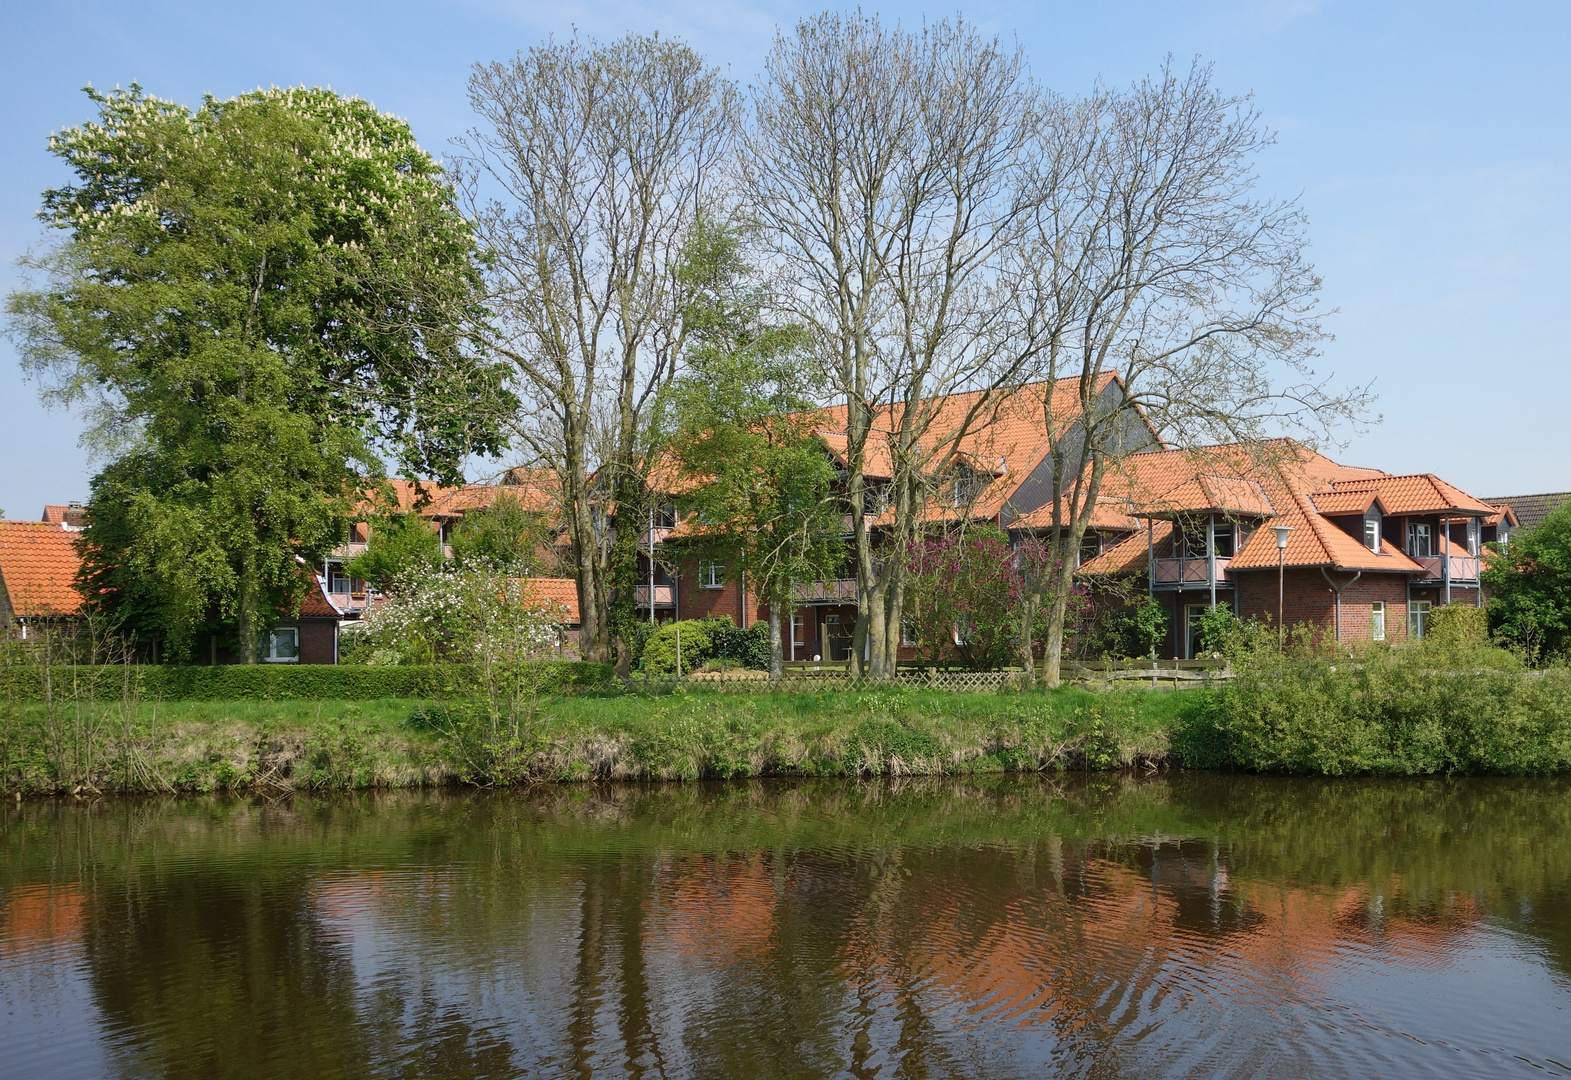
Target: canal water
(1193, 925)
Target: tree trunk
(779, 608)
(246, 614)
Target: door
(1193, 613)
(837, 638)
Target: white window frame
(798, 629)
(1418, 617)
(907, 630)
(1415, 529)
(1377, 620)
(270, 649)
(1372, 531)
(711, 574)
(1193, 613)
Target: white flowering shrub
(442, 616)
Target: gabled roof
(38, 566)
(1421, 493)
(72, 515)
(1531, 509)
(1276, 483)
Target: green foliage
(506, 536)
(256, 300)
(1458, 626)
(738, 647)
(1219, 630)
(400, 546)
(759, 480)
(697, 646)
(1134, 630)
(1410, 711)
(1529, 587)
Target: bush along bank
(1387, 712)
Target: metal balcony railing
(1189, 571)
(665, 596)
(809, 592)
(1463, 567)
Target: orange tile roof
(1423, 493)
(563, 591)
(1282, 482)
(1109, 515)
(1128, 556)
(38, 564)
(1007, 436)
(63, 515)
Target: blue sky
(1427, 141)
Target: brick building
(1367, 554)
(38, 565)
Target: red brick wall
(1308, 599)
(316, 641)
(695, 602)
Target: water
(1108, 927)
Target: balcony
(1463, 567)
(665, 596)
(840, 591)
(1181, 573)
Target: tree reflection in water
(1103, 926)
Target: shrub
(1424, 710)
(660, 652)
(738, 647)
(1458, 626)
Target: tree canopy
(256, 301)
(1529, 585)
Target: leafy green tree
(400, 545)
(749, 466)
(506, 535)
(1529, 586)
(257, 300)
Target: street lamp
(1281, 561)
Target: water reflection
(1098, 927)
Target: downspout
(1445, 555)
(1336, 590)
(1211, 554)
(1151, 560)
(652, 565)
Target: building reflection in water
(1016, 928)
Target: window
(1090, 546)
(1472, 536)
(799, 629)
(282, 646)
(968, 484)
(1417, 617)
(907, 630)
(711, 574)
(1372, 532)
(1418, 540)
(340, 582)
(1503, 535)
(963, 630)
(1377, 620)
(1224, 539)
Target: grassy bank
(1378, 713)
(207, 746)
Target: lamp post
(1281, 561)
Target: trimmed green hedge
(286, 682)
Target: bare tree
(596, 161)
(883, 166)
(1150, 256)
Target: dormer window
(968, 484)
(1372, 530)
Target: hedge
(285, 682)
